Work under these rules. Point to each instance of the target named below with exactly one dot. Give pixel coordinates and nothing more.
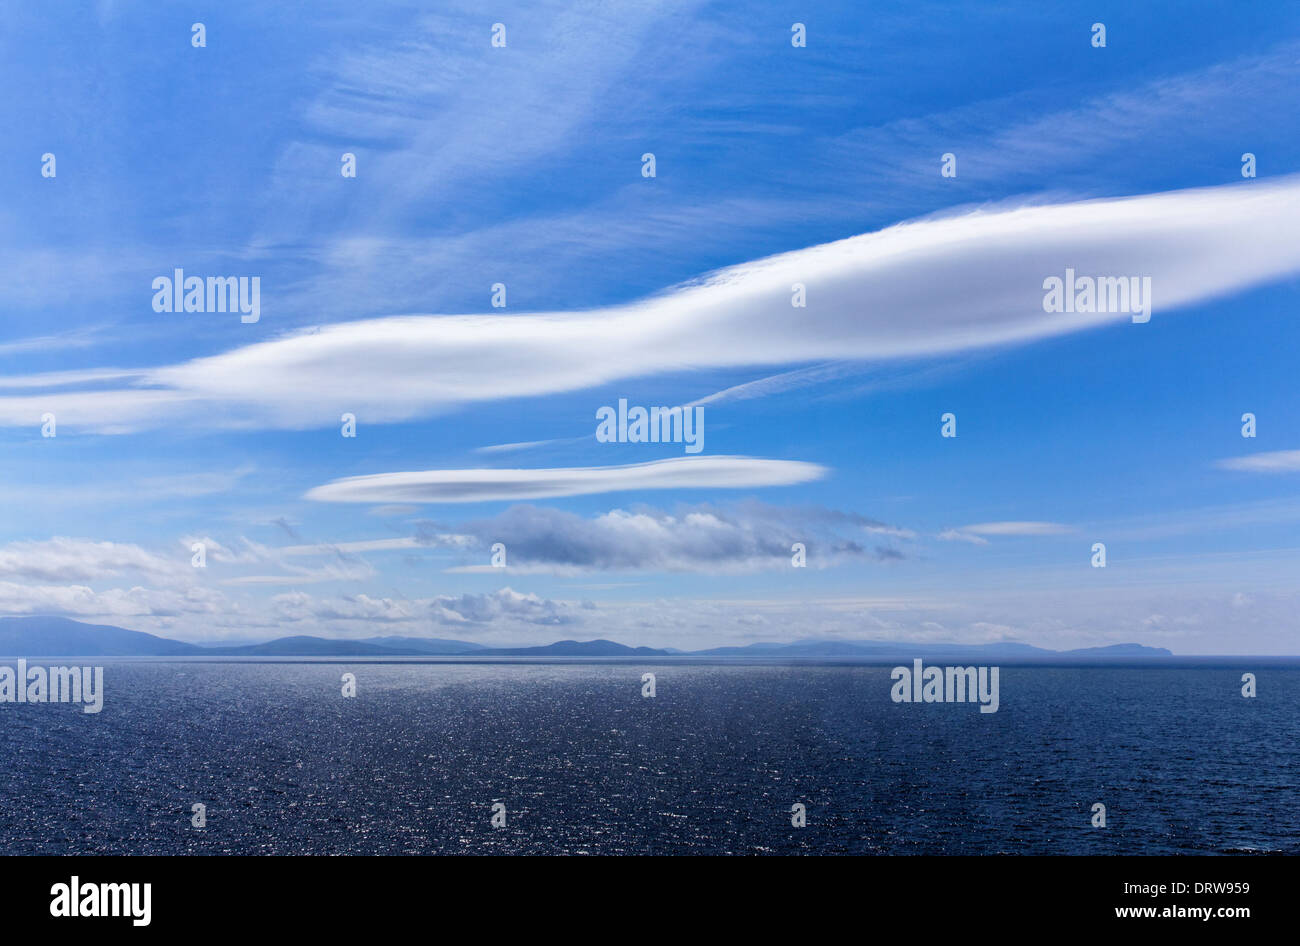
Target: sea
(457, 756)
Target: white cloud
(528, 444)
(503, 605)
(111, 604)
(1016, 528)
(1029, 135)
(503, 609)
(956, 535)
(67, 559)
(1027, 140)
(920, 289)
(779, 383)
(298, 606)
(394, 510)
(1242, 516)
(1060, 615)
(483, 112)
(468, 486)
(1278, 461)
(367, 545)
(344, 566)
(975, 533)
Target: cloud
(179, 586)
(368, 545)
(955, 535)
(298, 606)
(1249, 516)
(479, 115)
(471, 486)
(111, 604)
(801, 172)
(920, 289)
(1028, 135)
(1279, 461)
(504, 604)
(304, 577)
(397, 510)
(528, 444)
(66, 559)
(247, 552)
(344, 566)
(504, 607)
(702, 538)
(81, 338)
(975, 534)
(779, 383)
(1016, 528)
(115, 484)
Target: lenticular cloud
(931, 287)
(468, 486)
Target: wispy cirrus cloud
(545, 87)
(343, 564)
(1017, 527)
(779, 383)
(1277, 461)
(1034, 135)
(529, 444)
(1021, 142)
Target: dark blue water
(712, 764)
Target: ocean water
(712, 764)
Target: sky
(522, 164)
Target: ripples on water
(712, 764)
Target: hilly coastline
(63, 637)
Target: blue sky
(522, 166)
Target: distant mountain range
(62, 637)
(58, 637)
